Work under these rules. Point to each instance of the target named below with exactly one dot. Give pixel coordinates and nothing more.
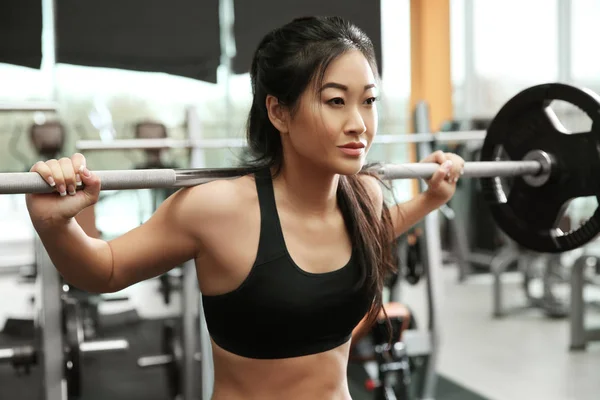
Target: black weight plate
(530, 215)
(73, 337)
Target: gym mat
(116, 376)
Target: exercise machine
(59, 343)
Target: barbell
(547, 165)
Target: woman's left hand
(442, 185)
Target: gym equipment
(392, 360)
(180, 355)
(31, 182)
(552, 272)
(170, 283)
(48, 138)
(527, 122)
(580, 333)
(393, 378)
(413, 263)
(59, 341)
(24, 357)
(171, 359)
(391, 365)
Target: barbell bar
(32, 182)
(224, 143)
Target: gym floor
(523, 356)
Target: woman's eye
(338, 101)
(371, 100)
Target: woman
(289, 258)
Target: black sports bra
(280, 310)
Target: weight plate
(73, 336)
(531, 215)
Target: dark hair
(286, 61)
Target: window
(585, 58)
(515, 47)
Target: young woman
(291, 256)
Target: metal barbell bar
(150, 144)
(32, 182)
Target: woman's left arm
(441, 188)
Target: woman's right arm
(169, 238)
(94, 265)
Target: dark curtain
(21, 32)
(179, 37)
(254, 19)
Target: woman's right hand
(66, 176)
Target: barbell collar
(547, 162)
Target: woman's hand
(65, 175)
(442, 185)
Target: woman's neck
(307, 188)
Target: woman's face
(334, 125)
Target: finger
(461, 167)
(45, 172)
(448, 165)
(57, 174)
(79, 162)
(91, 182)
(457, 167)
(439, 157)
(435, 157)
(441, 174)
(66, 166)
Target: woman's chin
(349, 167)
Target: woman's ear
(278, 114)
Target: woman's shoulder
(220, 197)
(373, 187)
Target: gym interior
(502, 305)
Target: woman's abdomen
(317, 376)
